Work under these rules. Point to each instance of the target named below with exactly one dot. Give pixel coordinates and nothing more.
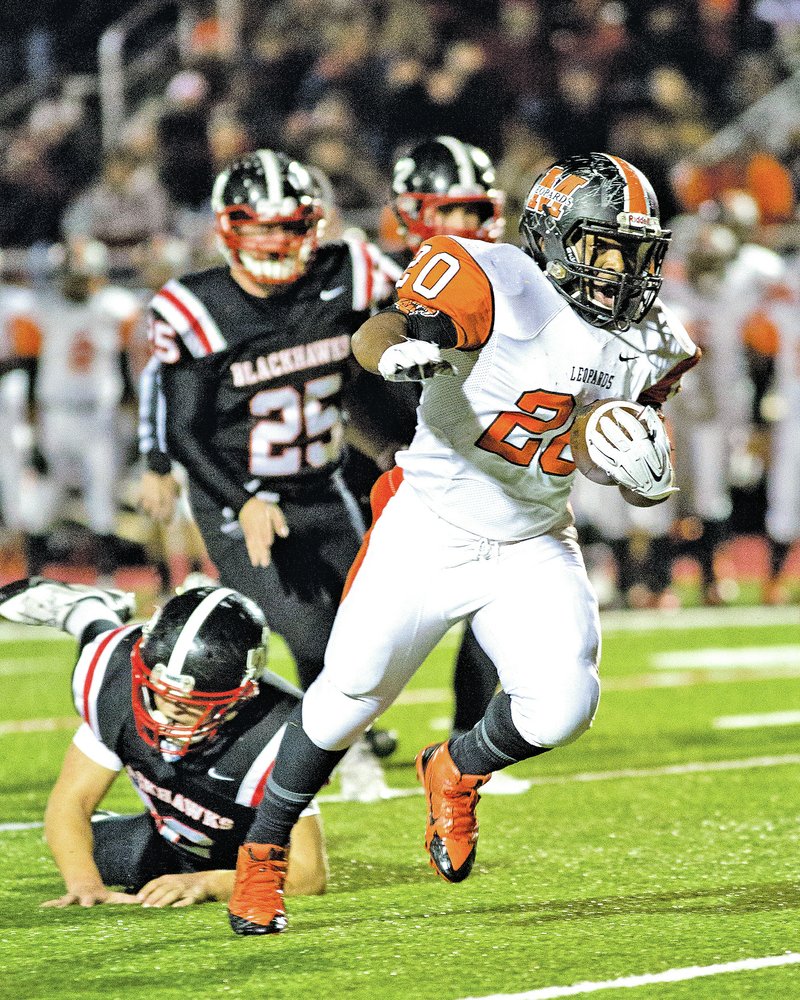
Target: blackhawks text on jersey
(253, 386)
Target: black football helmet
(441, 173)
(585, 205)
(204, 650)
(268, 188)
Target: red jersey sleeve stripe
(95, 673)
(362, 274)
(191, 320)
(251, 790)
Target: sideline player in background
(20, 347)
(773, 331)
(256, 371)
(718, 280)
(186, 706)
(84, 326)
(475, 520)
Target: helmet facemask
(269, 217)
(442, 174)
(416, 213)
(176, 739)
(279, 250)
(603, 295)
(591, 222)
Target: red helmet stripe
(636, 200)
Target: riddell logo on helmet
(637, 220)
(554, 193)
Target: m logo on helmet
(554, 192)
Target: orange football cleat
(256, 904)
(451, 835)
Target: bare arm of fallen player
(68, 830)
(78, 791)
(375, 336)
(307, 875)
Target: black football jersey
(253, 386)
(204, 802)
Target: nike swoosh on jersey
(331, 293)
(624, 357)
(214, 773)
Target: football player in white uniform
(85, 325)
(719, 284)
(20, 345)
(774, 329)
(475, 520)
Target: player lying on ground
(186, 706)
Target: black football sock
(474, 684)
(713, 536)
(301, 769)
(778, 551)
(494, 743)
(95, 628)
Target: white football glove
(633, 451)
(413, 361)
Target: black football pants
(299, 591)
(129, 852)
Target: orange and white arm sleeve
(445, 281)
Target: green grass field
(666, 838)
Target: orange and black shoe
(451, 835)
(256, 904)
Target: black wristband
(430, 325)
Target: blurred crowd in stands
(345, 86)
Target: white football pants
(534, 610)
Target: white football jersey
(491, 453)
(81, 344)
(714, 313)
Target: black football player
(259, 393)
(185, 705)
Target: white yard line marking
(612, 621)
(691, 618)
(714, 658)
(38, 725)
(669, 976)
(699, 767)
(35, 666)
(668, 770)
(694, 678)
(633, 682)
(41, 633)
(756, 721)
